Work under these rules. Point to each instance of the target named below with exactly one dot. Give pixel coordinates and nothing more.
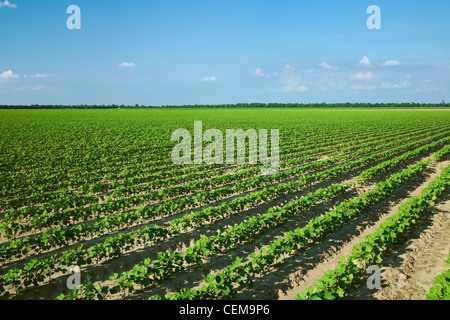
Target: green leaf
(210, 278)
(329, 296)
(315, 296)
(60, 297)
(114, 276)
(340, 292)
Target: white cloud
(365, 76)
(391, 63)
(405, 83)
(369, 81)
(386, 85)
(8, 75)
(291, 83)
(319, 78)
(389, 85)
(360, 86)
(365, 62)
(35, 88)
(209, 79)
(326, 66)
(327, 83)
(428, 86)
(259, 73)
(289, 67)
(40, 75)
(6, 3)
(338, 84)
(126, 65)
(364, 81)
(302, 88)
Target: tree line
(238, 105)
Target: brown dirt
(408, 272)
(302, 270)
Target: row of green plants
(74, 166)
(144, 275)
(59, 237)
(236, 277)
(169, 263)
(438, 156)
(349, 273)
(159, 179)
(131, 187)
(407, 156)
(11, 227)
(116, 246)
(67, 199)
(73, 150)
(133, 176)
(56, 174)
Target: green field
(98, 189)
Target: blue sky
(176, 52)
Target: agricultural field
(94, 195)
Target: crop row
(60, 237)
(11, 226)
(133, 176)
(144, 275)
(347, 275)
(66, 199)
(33, 272)
(111, 168)
(239, 275)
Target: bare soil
(408, 272)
